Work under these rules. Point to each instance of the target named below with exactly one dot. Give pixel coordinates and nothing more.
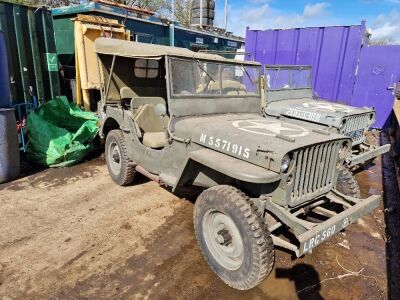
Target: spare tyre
(206, 21)
(207, 13)
(210, 4)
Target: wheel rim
(114, 158)
(223, 239)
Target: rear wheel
(121, 170)
(347, 183)
(232, 237)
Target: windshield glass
(213, 79)
(288, 78)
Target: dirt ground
(72, 234)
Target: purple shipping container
(333, 53)
(378, 78)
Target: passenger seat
(152, 126)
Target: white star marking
(330, 107)
(270, 128)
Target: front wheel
(347, 183)
(119, 166)
(232, 237)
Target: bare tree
(183, 10)
(162, 8)
(49, 3)
(153, 5)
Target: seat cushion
(148, 121)
(154, 139)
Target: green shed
(31, 52)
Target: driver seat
(151, 127)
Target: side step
(161, 179)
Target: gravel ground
(73, 234)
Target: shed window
(146, 68)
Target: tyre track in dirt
(73, 234)
(56, 236)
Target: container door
(377, 78)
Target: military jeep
(289, 94)
(189, 119)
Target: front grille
(315, 171)
(355, 126)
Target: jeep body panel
(255, 142)
(233, 167)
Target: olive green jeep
(289, 95)
(190, 119)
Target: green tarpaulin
(60, 134)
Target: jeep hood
(321, 111)
(249, 137)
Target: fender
(234, 167)
(117, 120)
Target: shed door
(378, 76)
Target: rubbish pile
(60, 134)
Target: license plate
(355, 134)
(323, 235)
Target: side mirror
(161, 110)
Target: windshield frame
(171, 94)
(287, 67)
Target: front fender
(233, 167)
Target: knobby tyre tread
(128, 172)
(262, 256)
(347, 183)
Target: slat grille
(354, 127)
(315, 170)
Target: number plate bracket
(310, 235)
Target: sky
(382, 16)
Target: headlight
(371, 119)
(285, 163)
(344, 150)
(341, 127)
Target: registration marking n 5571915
(225, 145)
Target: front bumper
(310, 234)
(335, 224)
(366, 153)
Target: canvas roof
(135, 49)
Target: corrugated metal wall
(332, 52)
(32, 59)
